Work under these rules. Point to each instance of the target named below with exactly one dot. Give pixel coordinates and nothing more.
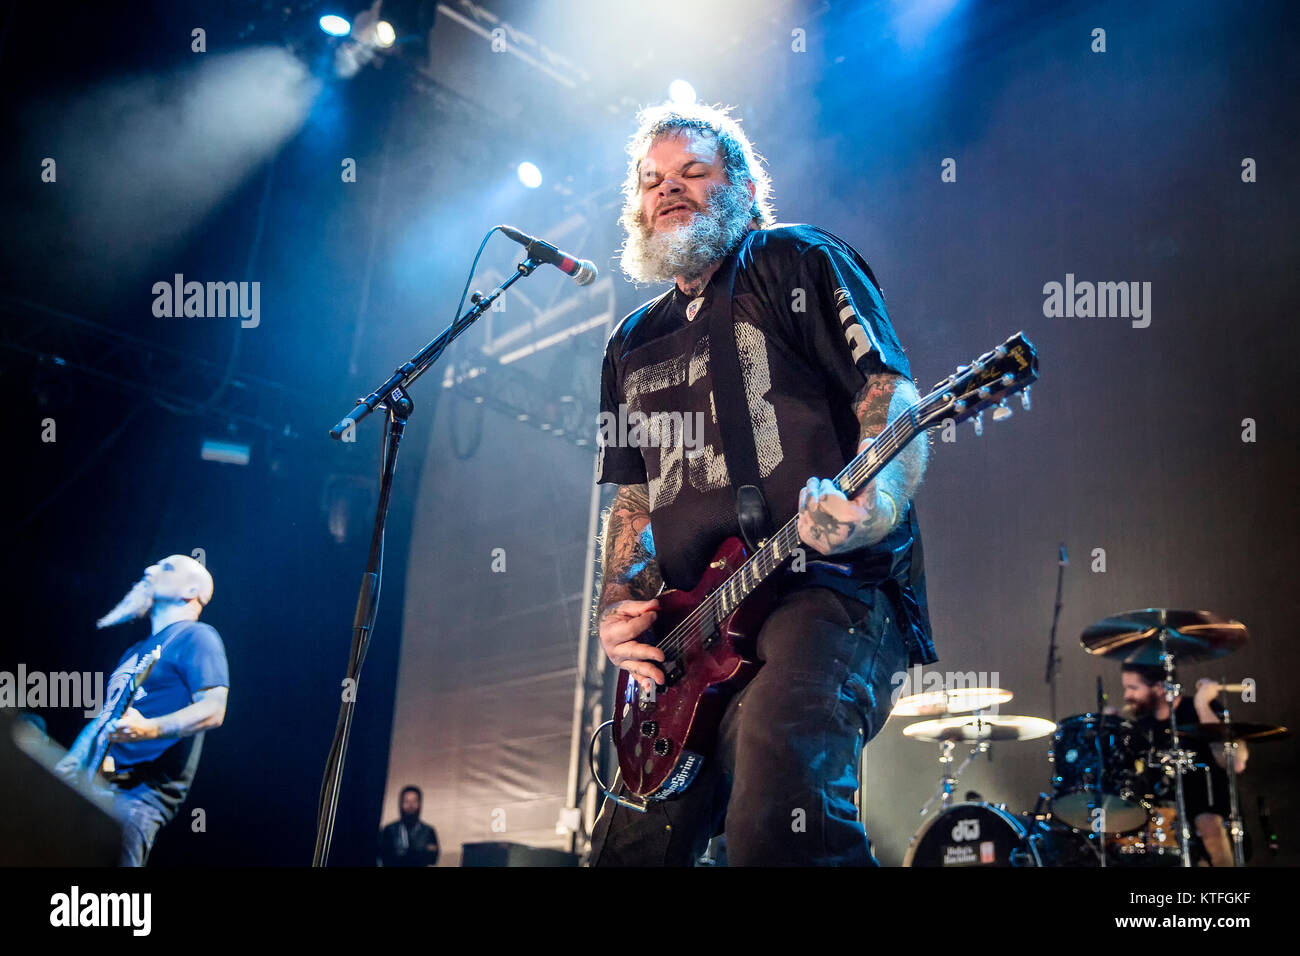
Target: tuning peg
(1024, 399)
(1001, 413)
(978, 422)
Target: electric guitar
(99, 749)
(664, 736)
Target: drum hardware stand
(1053, 658)
(1236, 831)
(948, 779)
(1179, 757)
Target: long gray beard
(136, 603)
(650, 256)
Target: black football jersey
(810, 326)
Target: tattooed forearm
(871, 404)
(629, 569)
(880, 401)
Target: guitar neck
(780, 546)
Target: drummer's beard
(136, 603)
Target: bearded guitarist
(816, 373)
(151, 751)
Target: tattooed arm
(831, 523)
(630, 580)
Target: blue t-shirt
(193, 658)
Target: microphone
(1101, 696)
(584, 271)
(1065, 558)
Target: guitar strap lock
(752, 515)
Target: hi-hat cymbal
(1241, 730)
(976, 728)
(1134, 636)
(959, 700)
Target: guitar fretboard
(785, 542)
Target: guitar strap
(731, 404)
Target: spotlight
(335, 25)
(529, 175)
(385, 35)
(681, 92)
(228, 452)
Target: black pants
(782, 781)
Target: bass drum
(982, 834)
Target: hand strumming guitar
(620, 624)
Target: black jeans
(142, 814)
(782, 780)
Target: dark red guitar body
(662, 743)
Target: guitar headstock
(145, 667)
(987, 382)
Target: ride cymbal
(1219, 733)
(1134, 636)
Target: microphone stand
(392, 396)
(1053, 659)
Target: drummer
(1207, 807)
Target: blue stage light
(335, 25)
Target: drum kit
(1117, 799)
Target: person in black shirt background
(1206, 802)
(409, 841)
(823, 373)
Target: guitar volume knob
(663, 746)
(649, 728)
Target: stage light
(385, 35)
(335, 25)
(227, 452)
(681, 92)
(529, 175)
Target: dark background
(1122, 166)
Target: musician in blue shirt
(155, 745)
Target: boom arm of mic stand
(420, 362)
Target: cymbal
(1241, 730)
(1134, 636)
(959, 700)
(975, 728)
